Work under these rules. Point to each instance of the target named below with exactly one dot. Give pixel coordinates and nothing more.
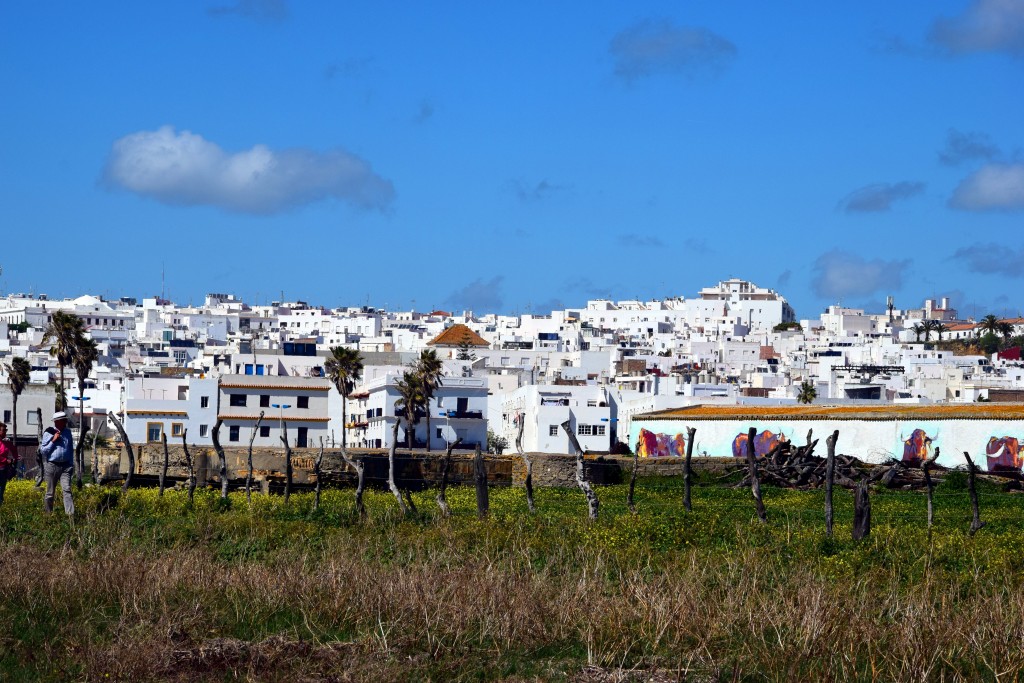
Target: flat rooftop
(944, 411)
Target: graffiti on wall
(764, 442)
(1004, 454)
(651, 445)
(917, 448)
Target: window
(303, 402)
(7, 416)
(238, 400)
(32, 417)
(584, 430)
(439, 435)
(598, 430)
(553, 430)
(204, 402)
(203, 429)
(264, 400)
(177, 428)
(264, 431)
(154, 430)
(233, 433)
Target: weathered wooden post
(39, 454)
(830, 475)
(128, 449)
(316, 473)
(926, 467)
(442, 501)
(391, 467)
(248, 474)
(167, 460)
(632, 481)
(972, 489)
(755, 485)
(287, 462)
(520, 424)
(222, 460)
(861, 511)
(592, 502)
(483, 505)
(687, 473)
(190, 464)
(360, 469)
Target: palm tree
(410, 397)
(344, 368)
(928, 326)
(18, 371)
(63, 333)
(1006, 329)
(85, 355)
(918, 330)
(430, 369)
(990, 324)
(940, 329)
(807, 393)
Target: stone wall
(415, 470)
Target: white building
(545, 408)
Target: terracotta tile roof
(960, 327)
(942, 411)
(456, 335)
(157, 412)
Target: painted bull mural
(1004, 454)
(764, 442)
(917, 448)
(651, 445)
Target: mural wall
(994, 445)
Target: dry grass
(119, 597)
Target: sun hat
(60, 415)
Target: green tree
(990, 324)
(928, 326)
(988, 343)
(940, 329)
(18, 372)
(918, 330)
(64, 333)
(807, 393)
(344, 368)
(410, 398)
(496, 444)
(465, 351)
(430, 370)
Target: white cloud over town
(479, 295)
(985, 26)
(661, 47)
(880, 196)
(993, 187)
(991, 259)
(183, 168)
(841, 274)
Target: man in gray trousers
(58, 451)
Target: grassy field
(148, 588)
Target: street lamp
(281, 407)
(81, 413)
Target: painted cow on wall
(917, 448)
(651, 445)
(764, 442)
(1004, 454)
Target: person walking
(8, 460)
(58, 451)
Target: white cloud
(185, 169)
(880, 196)
(652, 47)
(998, 187)
(985, 26)
(839, 274)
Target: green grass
(142, 587)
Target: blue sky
(514, 157)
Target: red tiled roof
(936, 411)
(457, 335)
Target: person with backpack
(58, 451)
(8, 460)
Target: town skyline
(494, 158)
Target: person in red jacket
(8, 459)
